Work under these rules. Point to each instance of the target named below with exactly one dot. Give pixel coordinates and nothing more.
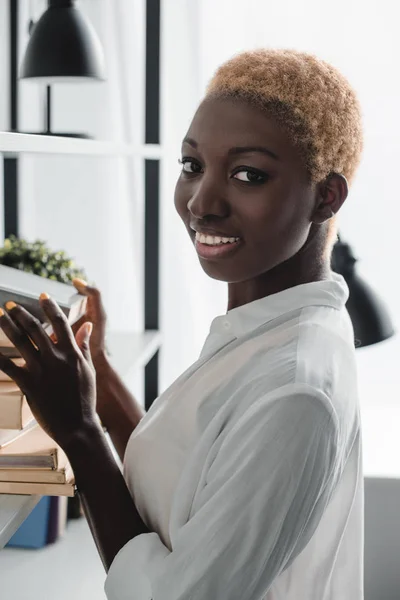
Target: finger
(30, 325)
(18, 337)
(17, 374)
(92, 292)
(78, 324)
(82, 339)
(58, 320)
(82, 286)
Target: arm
(117, 408)
(264, 496)
(109, 508)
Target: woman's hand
(58, 379)
(96, 315)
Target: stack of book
(34, 464)
(30, 461)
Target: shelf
(13, 144)
(13, 512)
(132, 351)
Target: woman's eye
(249, 176)
(190, 166)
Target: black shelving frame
(152, 190)
(10, 164)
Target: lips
(217, 251)
(212, 232)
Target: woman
(243, 480)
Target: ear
(331, 194)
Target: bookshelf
(129, 351)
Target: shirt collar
(243, 319)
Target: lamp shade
(63, 47)
(369, 316)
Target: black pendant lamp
(369, 316)
(63, 47)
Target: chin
(223, 272)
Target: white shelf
(132, 351)
(13, 512)
(13, 144)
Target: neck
(310, 264)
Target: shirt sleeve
(264, 496)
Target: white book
(25, 288)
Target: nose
(207, 199)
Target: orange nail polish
(1, 312)
(10, 305)
(44, 296)
(79, 282)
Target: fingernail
(10, 305)
(44, 296)
(1, 312)
(89, 329)
(79, 282)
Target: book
(33, 450)
(19, 362)
(9, 435)
(40, 489)
(61, 475)
(25, 288)
(14, 410)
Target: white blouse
(247, 469)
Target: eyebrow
(238, 149)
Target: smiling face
(242, 178)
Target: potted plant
(36, 257)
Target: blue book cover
(34, 530)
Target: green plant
(37, 258)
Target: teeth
(213, 240)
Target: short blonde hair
(313, 102)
